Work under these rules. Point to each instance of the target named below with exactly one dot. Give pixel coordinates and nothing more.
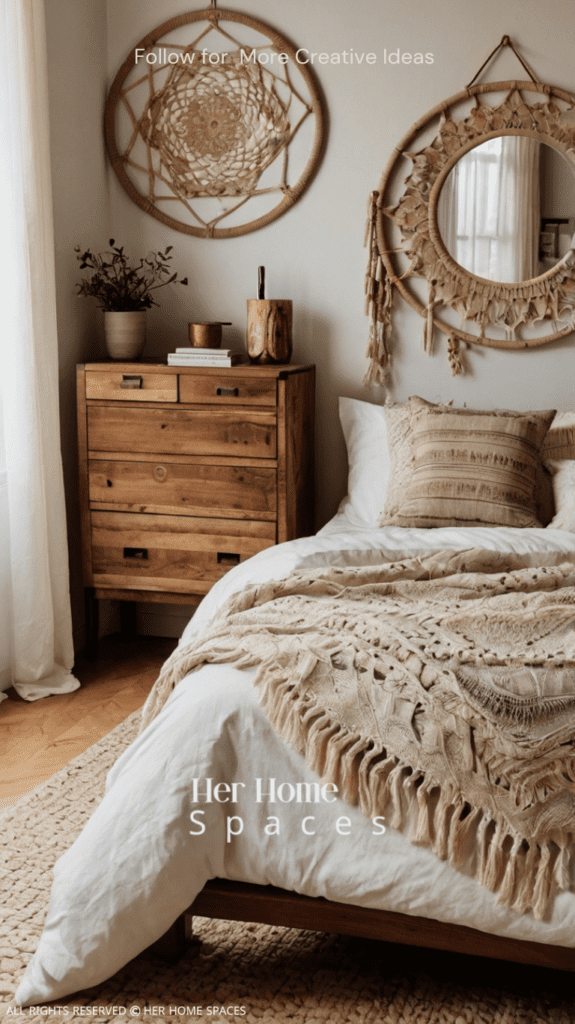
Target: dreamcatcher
(198, 128)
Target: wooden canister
(269, 337)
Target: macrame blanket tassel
(441, 824)
(542, 890)
(349, 788)
(454, 355)
(524, 895)
(462, 829)
(333, 769)
(507, 887)
(396, 792)
(379, 785)
(562, 873)
(319, 738)
(455, 855)
(423, 833)
(494, 863)
(481, 852)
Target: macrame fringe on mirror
(503, 313)
(378, 302)
(378, 307)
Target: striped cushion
(471, 468)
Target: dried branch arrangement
(122, 286)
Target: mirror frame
(489, 304)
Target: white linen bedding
(136, 866)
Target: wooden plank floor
(37, 738)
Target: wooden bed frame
(264, 904)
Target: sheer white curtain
(36, 653)
(489, 209)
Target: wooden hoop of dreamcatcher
(211, 131)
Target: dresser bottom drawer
(171, 553)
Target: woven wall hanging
(409, 236)
(212, 119)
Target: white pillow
(563, 471)
(365, 430)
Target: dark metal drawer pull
(129, 381)
(228, 392)
(135, 553)
(228, 558)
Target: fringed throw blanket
(437, 691)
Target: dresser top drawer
(132, 386)
(220, 389)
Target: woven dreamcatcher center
(216, 129)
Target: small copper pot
(207, 334)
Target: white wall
(314, 253)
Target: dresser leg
(128, 620)
(92, 624)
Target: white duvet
(147, 852)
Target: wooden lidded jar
(269, 338)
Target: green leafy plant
(121, 287)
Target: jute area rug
(244, 972)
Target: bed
(166, 841)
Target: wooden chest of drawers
(186, 471)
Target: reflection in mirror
(495, 202)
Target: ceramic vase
(125, 334)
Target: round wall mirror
(410, 238)
(506, 210)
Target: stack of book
(203, 357)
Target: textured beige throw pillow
(563, 471)
(469, 467)
(560, 440)
(400, 456)
(558, 455)
(558, 445)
